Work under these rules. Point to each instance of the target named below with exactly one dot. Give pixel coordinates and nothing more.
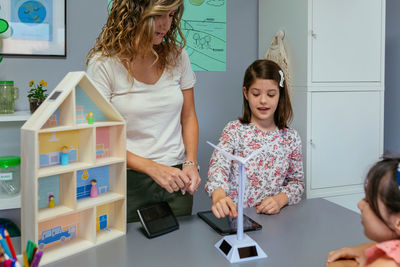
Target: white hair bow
(282, 78)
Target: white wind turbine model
(239, 247)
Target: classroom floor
(347, 201)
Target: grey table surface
(300, 235)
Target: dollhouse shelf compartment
(57, 169)
(69, 248)
(46, 214)
(57, 123)
(100, 200)
(80, 126)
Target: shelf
(46, 214)
(108, 161)
(80, 126)
(10, 202)
(108, 234)
(59, 169)
(66, 249)
(101, 199)
(108, 123)
(20, 115)
(57, 129)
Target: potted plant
(37, 94)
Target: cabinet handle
(311, 142)
(313, 35)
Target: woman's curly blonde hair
(129, 32)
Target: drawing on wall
(54, 119)
(37, 27)
(204, 26)
(103, 213)
(58, 231)
(102, 142)
(50, 145)
(84, 178)
(84, 106)
(48, 186)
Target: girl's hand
(195, 180)
(356, 253)
(222, 204)
(273, 204)
(170, 178)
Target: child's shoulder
(234, 125)
(289, 133)
(391, 250)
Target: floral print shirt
(269, 173)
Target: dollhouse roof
(64, 98)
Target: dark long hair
(381, 182)
(267, 69)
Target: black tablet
(157, 219)
(227, 225)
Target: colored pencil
(26, 262)
(10, 245)
(29, 250)
(5, 246)
(36, 259)
(7, 263)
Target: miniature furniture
(300, 235)
(336, 64)
(95, 151)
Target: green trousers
(143, 191)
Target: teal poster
(204, 27)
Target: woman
(143, 70)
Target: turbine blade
(226, 154)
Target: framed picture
(35, 27)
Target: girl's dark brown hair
(381, 182)
(267, 69)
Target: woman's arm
(170, 178)
(190, 135)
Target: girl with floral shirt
(274, 176)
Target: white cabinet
(336, 57)
(346, 43)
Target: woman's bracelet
(192, 163)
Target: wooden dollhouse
(62, 153)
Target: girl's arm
(293, 186)
(222, 204)
(219, 166)
(190, 135)
(357, 253)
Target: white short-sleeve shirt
(152, 111)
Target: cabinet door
(345, 137)
(346, 40)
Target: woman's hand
(356, 253)
(222, 204)
(195, 180)
(273, 204)
(170, 178)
